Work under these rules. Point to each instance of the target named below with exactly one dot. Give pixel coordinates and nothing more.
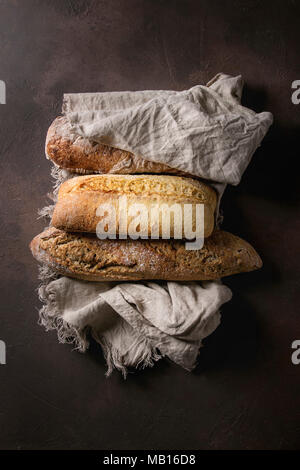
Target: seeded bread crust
(80, 155)
(88, 258)
(79, 199)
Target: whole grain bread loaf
(80, 155)
(88, 258)
(79, 199)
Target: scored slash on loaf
(79, 199)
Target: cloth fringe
(147, 355)
(143, 354)
(59, 176)
(49, 315)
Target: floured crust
(88, 258)
(79, 199)
(80, 155)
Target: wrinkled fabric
(204, 131)
(136, 324)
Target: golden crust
(79, 199)
(146, 185)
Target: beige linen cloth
(204, 131)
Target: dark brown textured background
(245, 393)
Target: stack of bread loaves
(71, 247)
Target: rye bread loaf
(80, 197)
(80, 155)
(88, 258)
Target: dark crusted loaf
(88, 258)
(80, 155)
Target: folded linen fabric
(136, 324)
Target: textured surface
(79, 199)
(204, 130)
(245, 392)
(88, 258)
(81, 155)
